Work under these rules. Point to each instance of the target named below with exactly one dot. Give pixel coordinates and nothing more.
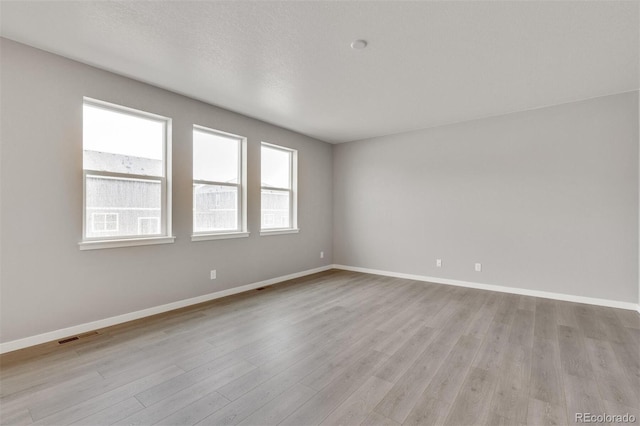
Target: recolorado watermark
(605, 418)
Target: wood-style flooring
(339, 348)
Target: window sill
(279, 232)
(221, 236)
(129, 242)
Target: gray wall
(47, 283)
(545, 199)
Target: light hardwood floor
(339, 348)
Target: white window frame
(90, 243)
(241, 231)
(292, 190)
(93, 221)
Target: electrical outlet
(439, 263)
(321, 255)
(213, 274)
(478, 267)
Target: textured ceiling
(290, 63)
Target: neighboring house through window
(219, 191)
(104, 222)
(279, 188)
(148, 225)
(126, 190)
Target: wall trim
(119, 319)
(499, 288)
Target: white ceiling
(290, 63)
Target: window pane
(275, 209)
(215, 157)
(122, 143)
(122, 207)
(215, 208)
(276, 168)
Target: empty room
(319, 212)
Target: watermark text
(604, 418)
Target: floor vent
(79, 336)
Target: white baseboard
(502, 289)
(119, 319)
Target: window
(104, 222)
(126, 190)
(278, 195)
(219, 196)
